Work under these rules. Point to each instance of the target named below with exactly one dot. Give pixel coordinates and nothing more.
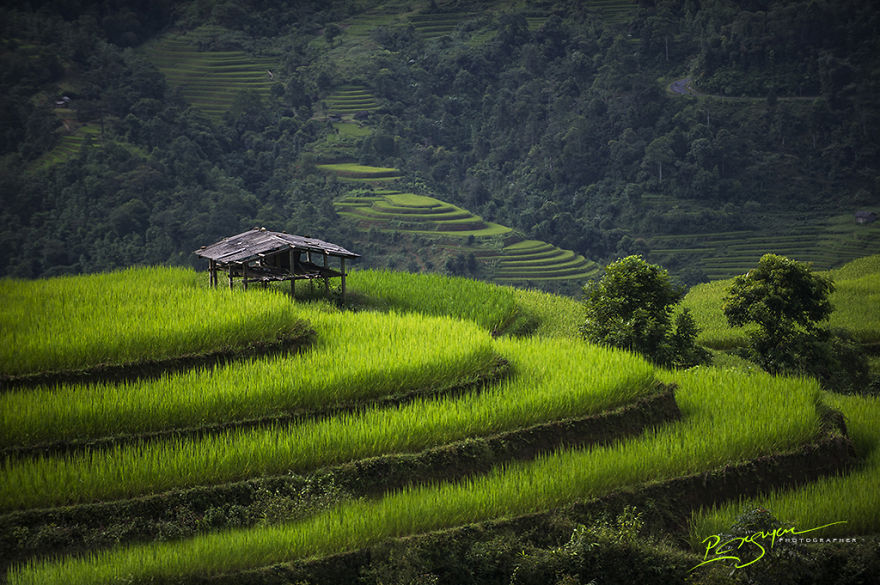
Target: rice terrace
(403, 419)
(603, 306)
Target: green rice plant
(850, 498)
(705, 304)
(130, 316)
(488, 305)
(357, 357)
(554, 379)
(554, 315)
(359, 171)
(728, 417)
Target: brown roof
(256, 243)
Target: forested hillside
(134, 132)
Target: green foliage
(781, 296)
(631, 307)
(786, 300)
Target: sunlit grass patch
(356, 357)
(130, 316)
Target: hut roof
(256, 243)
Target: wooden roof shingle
(256, 243)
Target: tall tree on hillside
(631, 307)
(788, 302)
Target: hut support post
(342, 260)
(212, 270)
(292, 276)
(244, 275)
(311, 280)
(229, 273)
(326, 280)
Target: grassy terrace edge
(357, 357)
(300, 336)
(92, 523)
(703, 441)
(535, 394)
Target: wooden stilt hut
(262, 256)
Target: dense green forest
(553, 118)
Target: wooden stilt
(292, 273)
(311, 280)
(244, 275)
(326, 280)
(342, 260)
(229, 273)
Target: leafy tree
(786, 300)
(631, 307)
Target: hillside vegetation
(138, 133)
(407, 416)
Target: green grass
(851, 498)
(490, 306)
(553, 315)
(130, 316)
(728, 417)
(357, 357)
(554, 380)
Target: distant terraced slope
(355, 173)
(614, 11)
(69, 145)
(517, 262)
(397, 211)
(436, 24)
(537, 260)
(825, 242)
(209, 79)
(347, 100)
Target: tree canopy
(788, 302)
(631, 307)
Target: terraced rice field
(407, 212)
(552, 385)
(363, 24)
(348, 100)
(209, 79)
(432, 25)
(355, 173)
(536, 260)
(69, 145)
(825, 242)
(522, 262)
(614, 11)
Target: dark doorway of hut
(260, 256)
